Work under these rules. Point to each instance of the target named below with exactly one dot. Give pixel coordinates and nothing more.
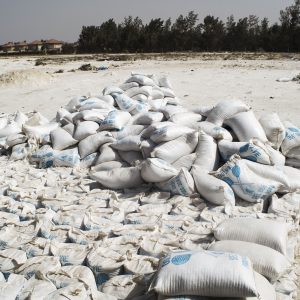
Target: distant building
(8, 47)
(35, 46)
(53, 45)
(21, 47)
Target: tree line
(187, 34)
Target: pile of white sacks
(206, 202)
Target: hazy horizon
(32, 19)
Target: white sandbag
(157, 104)
(240, 126)
(93, 103)
(3, 121)
(251, 181)
(260, 231)
(170, 110)
(42, 264)
(207, 156)
(10, 129)
(129, 85)
(169, 133)
(273, 128)
(125, 103)
(89, 160)
(74, 102)
(293, 176)
(107, 153)
(43, 152)
(129, 143)
(218, 133)
(140, 264)
(20, 118)
(61, 139)
(115, 120)
(60, 114)
(266, 261)
(168, 92)
(292, 138)
(140, 79)
(10, 289)
(145, 90)
(39, 131)
(11, 259)
(265, 290)
(185, 161)
(92, 143)
(181, 184)
(147, 118)
(185, 118)
(155, 209)
(109, 165)
(15, 139)
(96, 115)
(149, 130)
(105, 264)
(66, 158)
(74, 291)
(193, 273)
(211, 188)
(128, 130)
(156, 93)
(19, 152)
(147, 146)
(85, 129)
(112, 90)
(124, 287)
(173, 150)
(157, 170)
(141, 106)
(141, 97)
(225, 110)
(35, 289)
(37, 119)
(133, 158)
(119, 178)
(108, 99)
(164, 82)
(203, 110)
(70, 128)
(69, 253)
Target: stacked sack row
(60, 236)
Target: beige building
(53, 45)
(21, 47)
(8, 47)
(35, 46)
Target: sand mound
(33, 78)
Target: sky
(63, 19)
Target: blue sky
(63, 19)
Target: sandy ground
(197, 82)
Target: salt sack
(181, 184)
(61, 139)
(169, 132)
(10, 289)
(225, 110)
(91, 143)
(119, 178)
(251, 181)
(36, 289)
(207, 156)
(124, 287)
(273, 128)
(85, 129)
(185, 161)
(173, 150)
(157, 170)
(266, 261)
(186, 118)
(9, 129)
(265, 290)
(291, 142)
(194, 273)
(74, 291)
(211, 188)
(260, 231)
(244, 132)
(218, 133)
(115, 120)
(39, 131)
